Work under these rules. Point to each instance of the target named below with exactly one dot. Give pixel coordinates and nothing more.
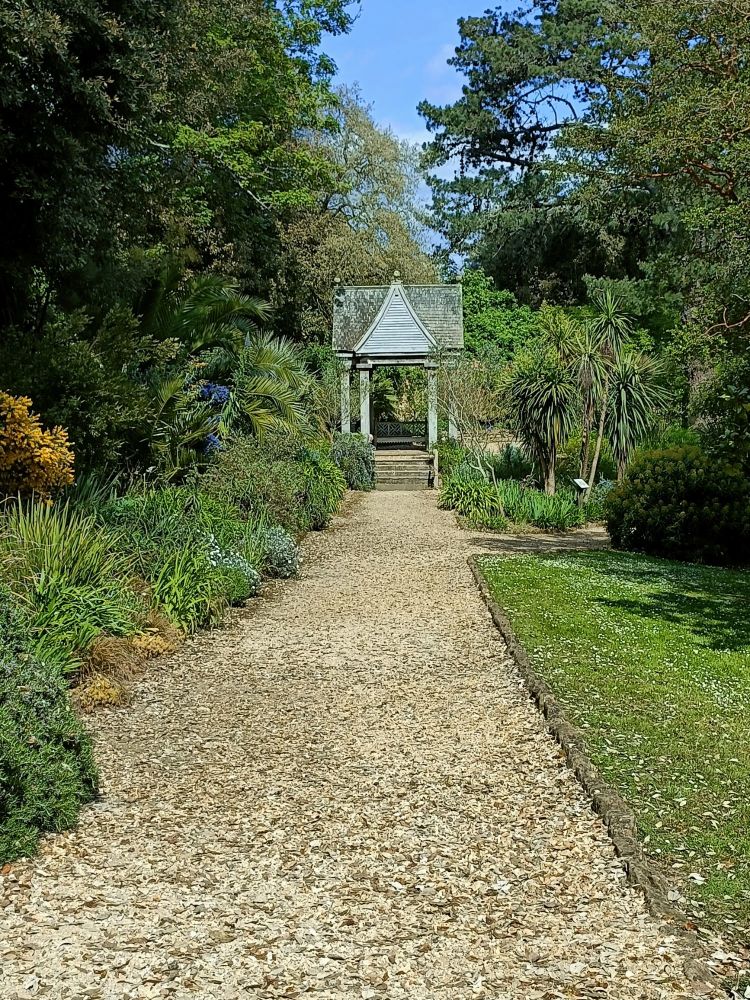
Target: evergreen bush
(47, 769)
(356, 458)
(680, 504)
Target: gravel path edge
(617, 816)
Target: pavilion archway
(390, 326)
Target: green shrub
(325, 487)
(473, 498)
(189, 590)
(47, 770)
(14, 622)
(72, 617)
(680, 504)
(492, 506)
(356, 458)
(256, 478)
(197, 550)
(511, 463)
(66, 571)
(451, 454)
(40, 542)
(524, 505)
(281, 557)
(569, 464)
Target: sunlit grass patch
(651, 660)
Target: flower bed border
(616, 814)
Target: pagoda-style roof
(398, 320)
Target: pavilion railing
(401, 432)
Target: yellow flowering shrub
(32, 459)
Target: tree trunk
(549, 474)
(588, 419)
(599, 440)
(622, 464)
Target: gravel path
(346, 794)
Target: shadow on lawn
(721, 622)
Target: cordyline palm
(269, 383)
(636, 394)
(542, 395)
(579, 345)
(610, 331)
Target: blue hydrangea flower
(212, 393)
(212, 444)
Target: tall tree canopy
(171, 128)
(363, 224)
(609, 141)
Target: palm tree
(542, 395)
(610, 330)
(269, 383)
(637, 392)
(180, 427)
(208, 313)
(580, 345)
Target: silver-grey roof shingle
(439, 307)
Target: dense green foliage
(602, 145)
(492, 318)
(680, 504)
(356, 459)
(46, 765)
(164, 175)
(649, 660)
(476, 493)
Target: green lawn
(651, 661)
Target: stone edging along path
(618, 817)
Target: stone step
(403, 470)
(415, 470)
(405, 487)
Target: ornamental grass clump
(189, 590)
(494, 506)
(33, 461)
(66, 571)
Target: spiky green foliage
(209, 312)
(542, 398)
(67, 571)
(637, 394)
(268, 385)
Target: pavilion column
(432, 408)
(346, 402)
(364, 401)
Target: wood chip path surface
(344, 794)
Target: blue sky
(397, 52)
